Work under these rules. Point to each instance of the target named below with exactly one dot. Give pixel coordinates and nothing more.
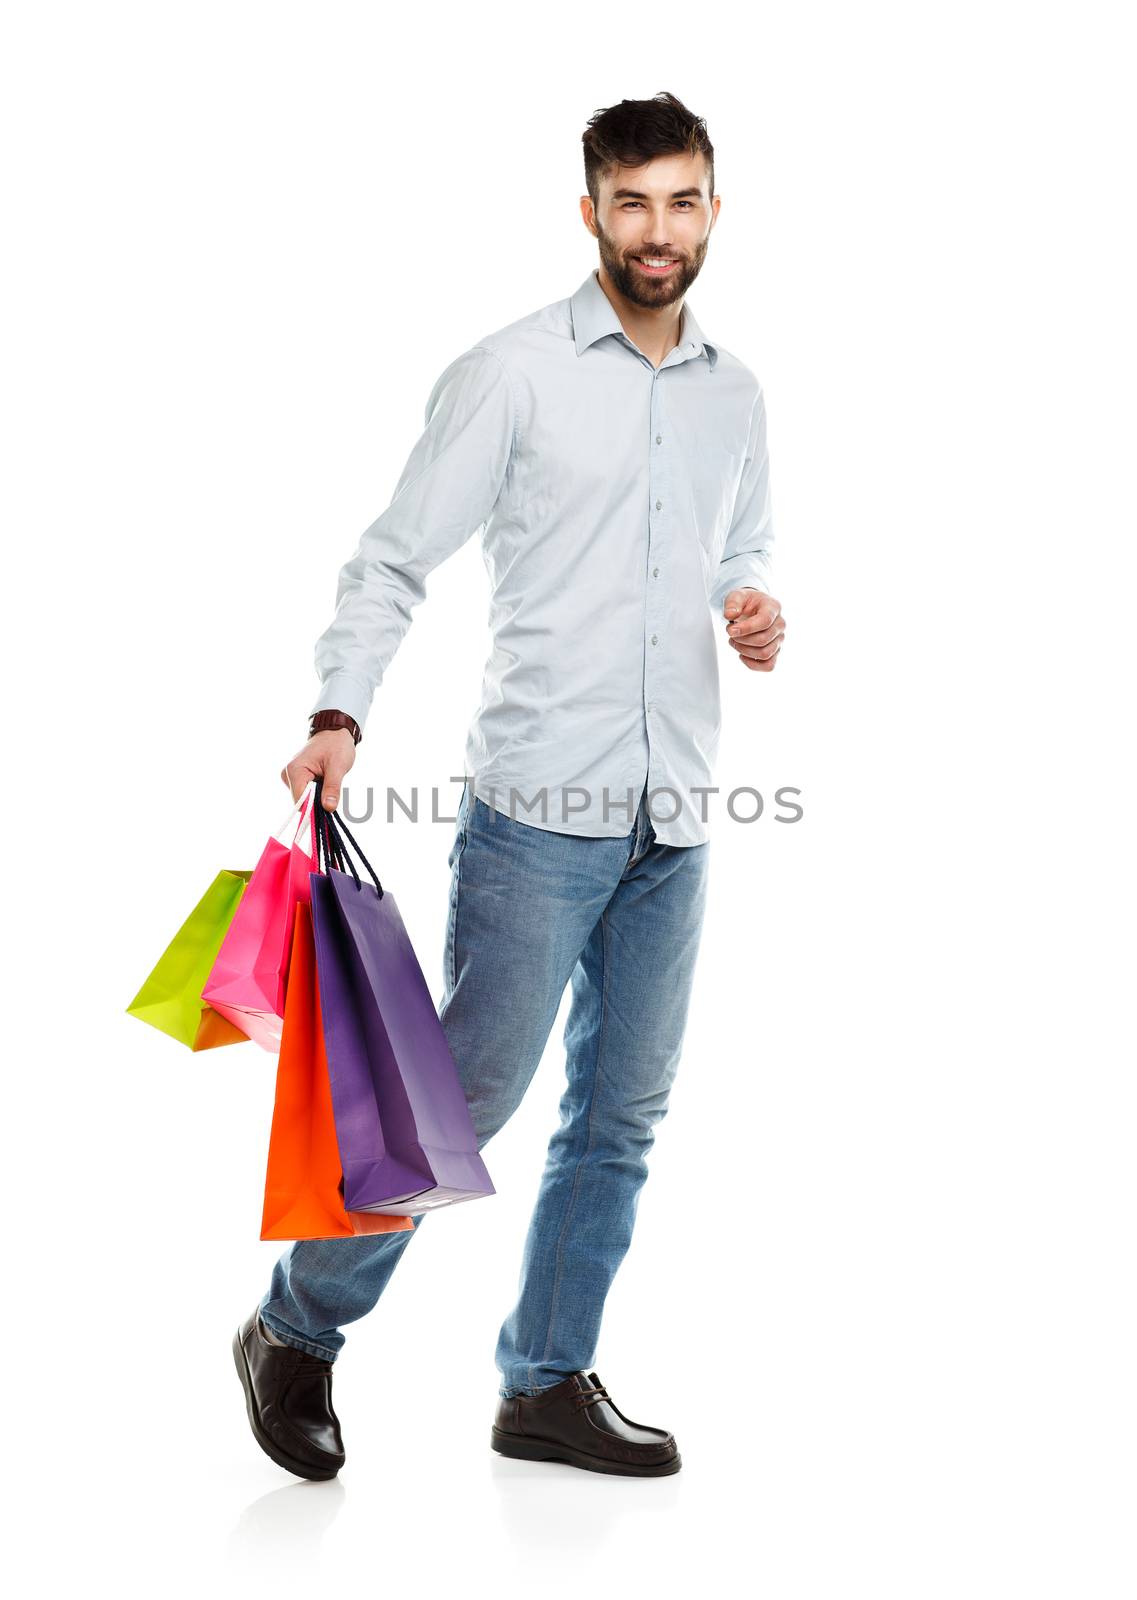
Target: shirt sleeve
(745, 562)
(445, 494)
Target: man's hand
(755, 628)
(329, 755)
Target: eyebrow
(638, 194)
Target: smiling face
(659, 213)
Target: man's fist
(329, 755)
(755, 628)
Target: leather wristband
(322, 721)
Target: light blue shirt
(617, 505)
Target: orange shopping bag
(303, 1184)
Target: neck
(652, 329)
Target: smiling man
(613, 460)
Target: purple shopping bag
(406, 1139)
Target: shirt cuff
(724, 587)
(342, 693)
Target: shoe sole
(526, 1449)
(302, 1469)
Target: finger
(771, 636)
(762, 617)
(741, 603)
(765, 653)
(736, 602)
(758, 635)
(297, 775)
(750, 647)
(334, 774)
(758, 664)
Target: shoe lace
(589, 1397)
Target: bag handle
(289, 831)
(322, 844)
(339, 827)
(329, 850)
(330, 830)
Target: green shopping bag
(170, 999)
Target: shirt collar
(594, 316)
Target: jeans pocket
(461, 824)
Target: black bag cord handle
(321, 859)
(332, 828)
(340, 857)
(338, 827)
(328, 851)
(321, 842)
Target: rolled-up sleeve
(745, 562)
(446, 493)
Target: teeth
(656, 261)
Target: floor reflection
(558, 1509)
(291, 1521)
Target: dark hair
(636, 131)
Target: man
(614, 461)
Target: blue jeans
(530, 910)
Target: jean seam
(559, 1269)
(531, 1392)
(454, 905)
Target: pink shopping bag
(246, 983)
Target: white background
(882, 1286)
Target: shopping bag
(170, 999)
(303, 1197)
(248, 979)
(406, 1139)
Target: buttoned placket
(657, 552)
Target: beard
(641, 288)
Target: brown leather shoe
(288, 1397)
(577, 1421)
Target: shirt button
(659, 505)
(659, 438)
(654, 639)
(655, 572)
